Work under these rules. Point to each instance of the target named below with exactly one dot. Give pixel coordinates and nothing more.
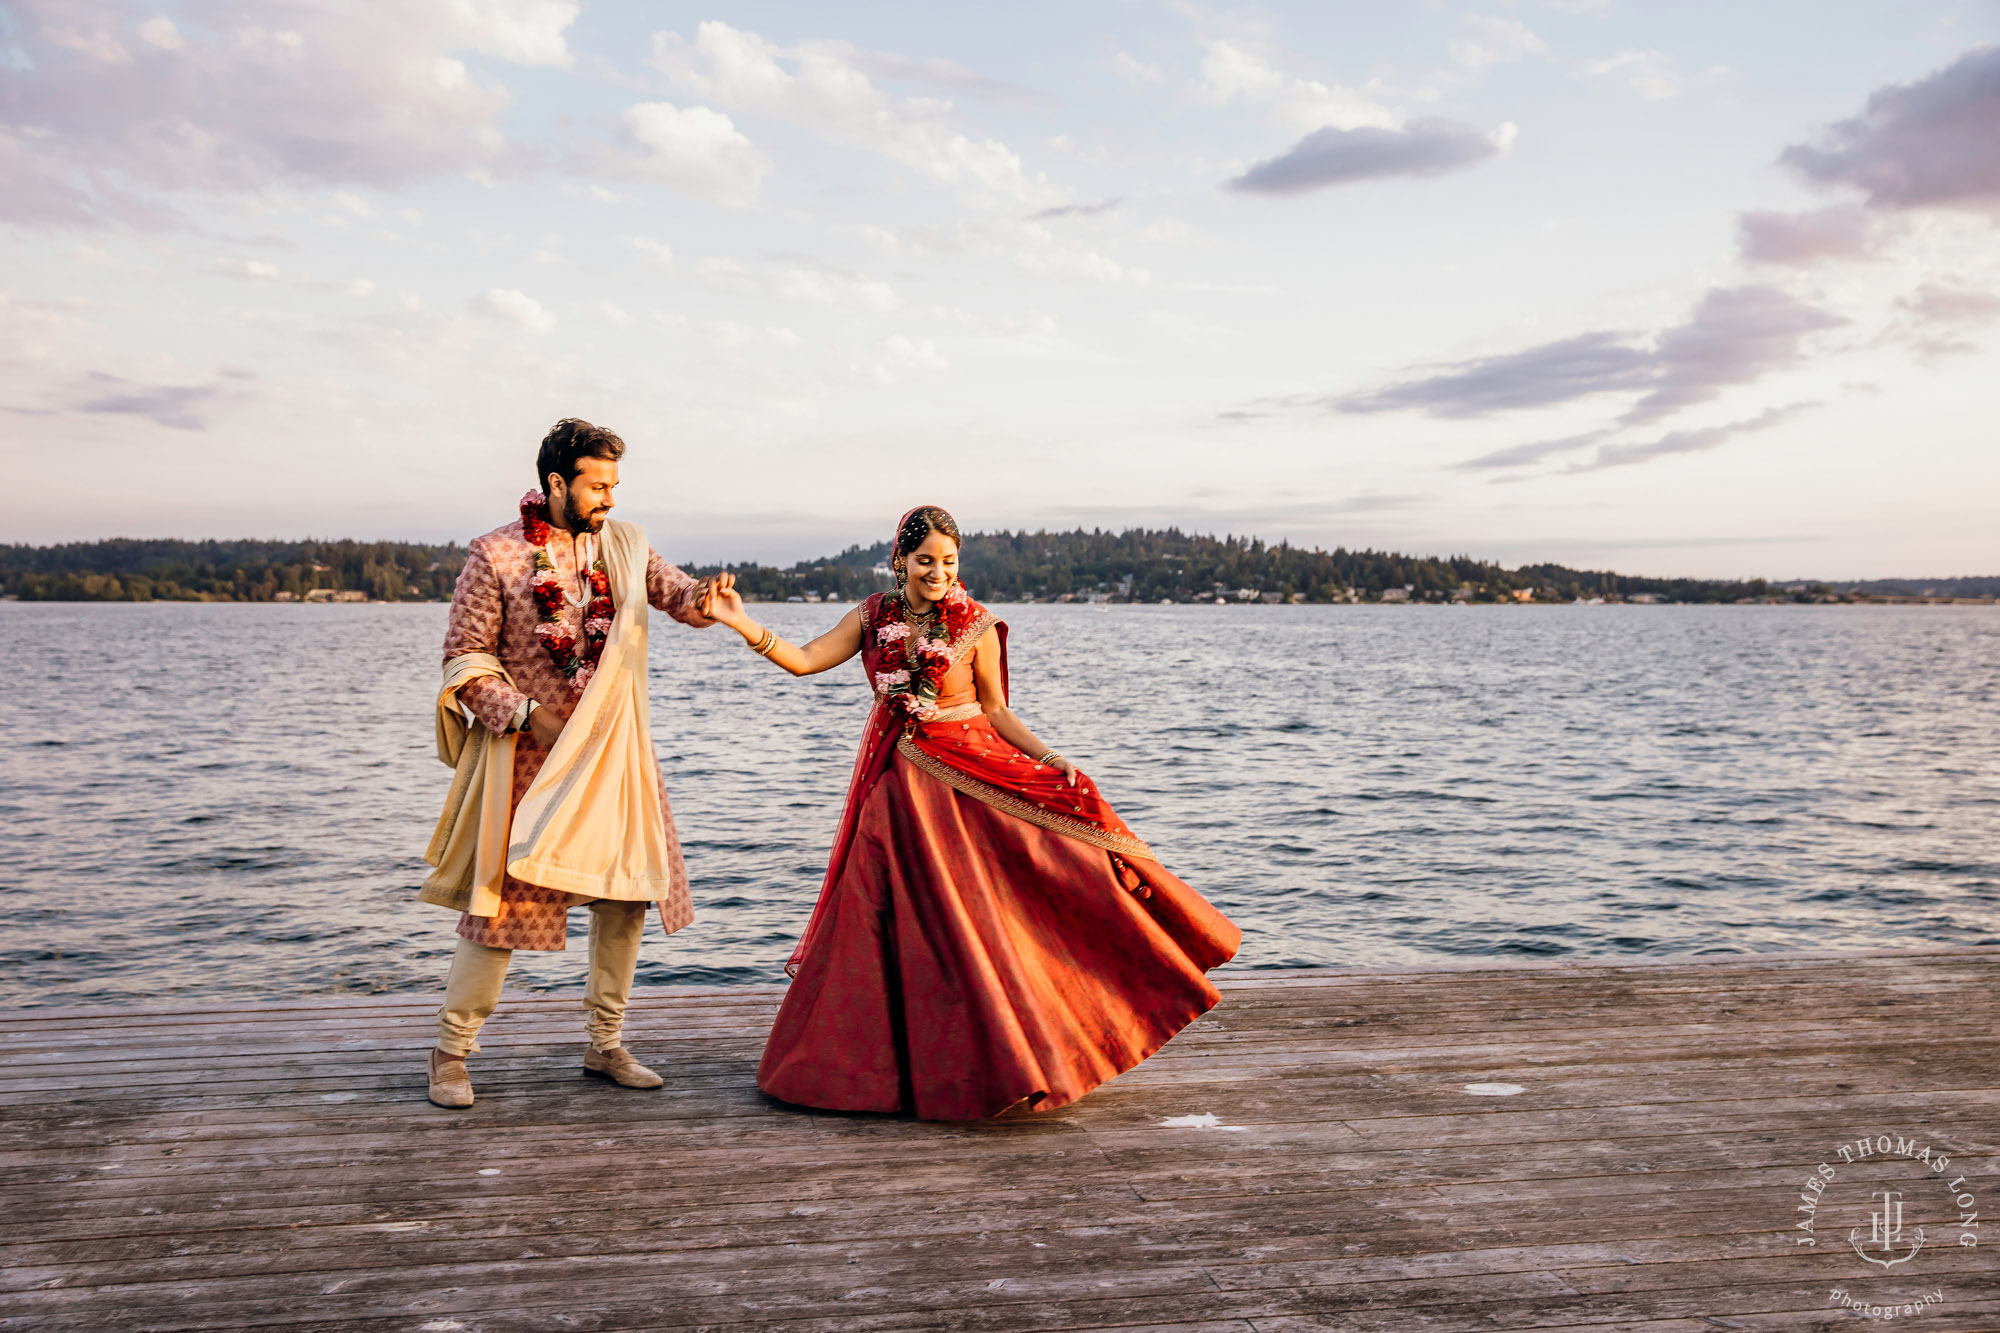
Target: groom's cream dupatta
(591, 822)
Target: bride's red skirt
(968, 960)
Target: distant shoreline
(1137, 565)
(1865, 600)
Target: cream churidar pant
(473, 988)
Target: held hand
(725, 606)
(545, 726)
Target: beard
(578, 519)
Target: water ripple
(229, 800)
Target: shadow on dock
(1309, 1156)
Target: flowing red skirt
(969, 960)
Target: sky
(1681, 288)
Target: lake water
(231, 801)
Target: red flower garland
(911, 670)
(558, 640)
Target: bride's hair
(922, 524)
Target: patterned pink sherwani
(493, 611)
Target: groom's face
(586, 500)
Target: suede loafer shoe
(451, 1086)
(618, 1065)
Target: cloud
(835, 289)
(526, 32)
(515, 307)
(1938, 315)
(1080, 210)
(1694, 441)
(659, 252)
(698, 150)
(824, 88)
(1541, 376)
(1491, 41)
(725, 273)
(611, 312)
(246, 268)
(1934, 143)
(901, 357)
(1030, 246)
(1648, 73)
(931, 72)
(1625, 454)
(1134, 70)
(1231, 72)
(160, 33)
(1340, 157)
(1523, 455)
(1735, 335)
(174, 405)
(1949, 303)
(111, 101)
(1804, 239)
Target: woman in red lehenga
(989, 934)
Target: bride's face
(933, 568)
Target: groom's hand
(545, 726)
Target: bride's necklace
(920, 622)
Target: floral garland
(911, 667)
(558, 640)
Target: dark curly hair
(921, 524)
(572, 439)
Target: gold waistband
(960, 713)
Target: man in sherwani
(505, 606)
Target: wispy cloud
(178, 406)
(1938, 316)
(1735, 335)
(1080, 210)
(1693, 441)
(1340, 157)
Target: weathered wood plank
(275, 1166)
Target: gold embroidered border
(1007, 803)
(962, 713)
(972, 636)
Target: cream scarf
(590, 824)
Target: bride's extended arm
(993, 702)
(829, 650)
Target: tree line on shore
(1138, 565)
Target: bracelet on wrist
(1049, 758)
(764, 645)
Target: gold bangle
(1050, 757)
(764, 645)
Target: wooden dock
(1307, 1157)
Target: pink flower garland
(557, 639)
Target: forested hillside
(124, 570)
(1138, 565)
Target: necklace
(576, 661)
